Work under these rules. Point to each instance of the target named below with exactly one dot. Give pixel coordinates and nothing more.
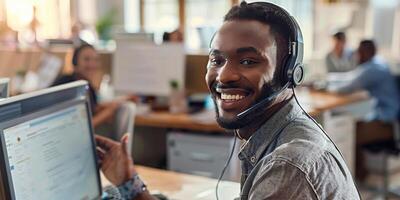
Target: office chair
(387, 149)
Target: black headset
(292, 71)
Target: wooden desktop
(321, 102)
(176, 185)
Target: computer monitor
(47, 146)
(4, 88)
(135, 37)
(148, 69)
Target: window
(160, 16)
(132, 15)
(19, 13)
(49, 18)
(87, 11)
(203, 18)
(302, 11)
(53, 19)
(384, 23)
(2, 11)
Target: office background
(37, 38)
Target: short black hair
(77, 51)
(339, 36)
(369, 46)
(266, 15)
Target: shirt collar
(255, 147)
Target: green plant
(104, 25)
(174, 84)
(21, 72)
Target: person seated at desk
(174, 36)
(340, 58)
(85, 62)
(286, 155)
(373, 75)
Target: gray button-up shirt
(289, 157)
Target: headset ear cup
(284, 75)
(297, 75)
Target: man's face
(241, 64)
(338, 44)
(364, 54)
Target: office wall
(196, 68)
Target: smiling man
(286, 154)
(254, 62)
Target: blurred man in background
(340, 58)
(174, 36)
(373, 75)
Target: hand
(115, 161)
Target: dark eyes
(247, 62)
(221, 61)
(217, 61)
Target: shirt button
(253, 159)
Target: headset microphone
(262, 104)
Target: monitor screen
(147, 69)
(49, 154)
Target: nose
(93, 63)
(228, 73)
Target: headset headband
(292, 70)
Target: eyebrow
(240, 50)
(215, 52)
(247, 50)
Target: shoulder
(282, 180)
(306, 155)
(303, 144)
(376, 64)
(65, 79)
(300, 153)
(282, 174)
(318, 166)
(310, 166)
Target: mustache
(216, 85)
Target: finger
(124, 142)
(104, 142)
(100, 152)
(100, 157)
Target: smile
(231, 98)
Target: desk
(184, 186)
(324, 101)
(317, 104)
(176, 121)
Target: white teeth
(225, 96)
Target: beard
(249, 117)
